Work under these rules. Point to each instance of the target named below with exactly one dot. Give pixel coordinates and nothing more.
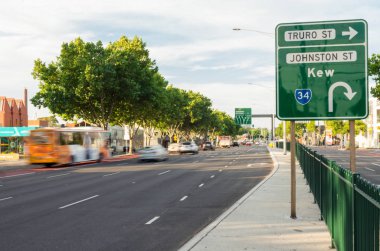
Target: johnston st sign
(321, 70)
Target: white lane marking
(220, 170)
(164, 172)
(212, 176)
(196, 161)
(6, 198)
(133, 182)
(16, 175)
(375, 164)
(234, 160)
(71, 204)
(57, 175)
(225, 166)
(152, 220)
(1, 185)
(201, 185)
(110, 174)
(183, 198)
(249, 165)
(370, 169)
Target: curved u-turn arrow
(349, 94)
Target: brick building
(14, 112)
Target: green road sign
(243, 116)
(321, 70)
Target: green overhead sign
(243, 116)
(321, 70)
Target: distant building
(373, 123)
(38, 123)
(14, 112)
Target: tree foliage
(119, 84)
(374, 71)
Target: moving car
(249, 143)
(188, 147)
(156, 152)
(173, 148)
(208, 146)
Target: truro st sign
(321, 70)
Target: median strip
(152, 220)
(71, 204)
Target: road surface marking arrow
(349, 94)
(352, 33)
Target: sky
(193, 42)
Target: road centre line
(152, 220)
(71, 204)
(164, 172)
(16, 175)
(110, 174)
(183, 198)
(6, 198)
(370, 169)
(375, 164)
(201, 185)
(57, 175)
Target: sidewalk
(261, 219)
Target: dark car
(208, 146)
(235, 143)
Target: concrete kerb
(204, 232)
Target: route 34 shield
(303, 96)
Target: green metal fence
(349, 204)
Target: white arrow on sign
(349, 94)
(351, 32)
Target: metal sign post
(284, 135)
(293, 214)
(352, 147)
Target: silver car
(174, 148)
(188, 147)
(156, 152)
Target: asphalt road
(367, 161)
(125, 205)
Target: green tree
(374, 71)
(174, 111)
(144, 84)
(91, 82)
